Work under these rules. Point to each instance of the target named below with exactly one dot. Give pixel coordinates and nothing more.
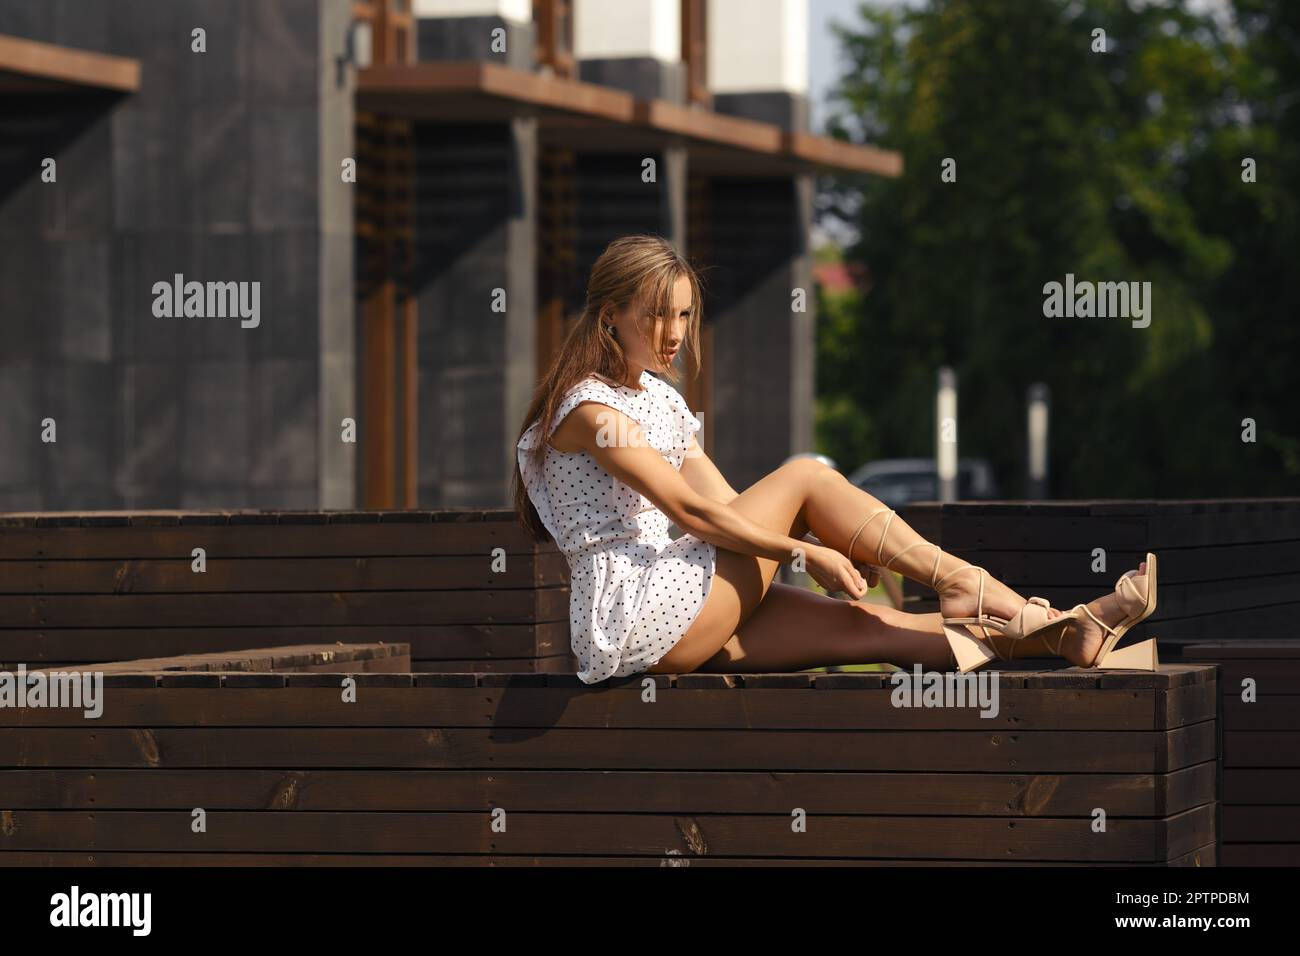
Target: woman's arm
(619, 446)
(703, 475)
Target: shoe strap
(861, 527)
(1100, 623)
(935, 580)
(1133, 594)
(937, 583)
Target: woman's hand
(833, 571)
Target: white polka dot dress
(634, 590)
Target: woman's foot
(959, 595)
(1082, 642)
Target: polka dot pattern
(634, 589)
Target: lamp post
(1039, 405)
(945, 453)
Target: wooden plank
(68, 68)
(1011, 795)
(1250, 623)
(385, 87)
(448, 641)
(556, 664)
(1260, 749)
(1282, 649)
(1260, 854)
(840, 155)
(706, 125)
(226, 541)
(1043, 533)
(1261, 824)
(284, 658)
(324, 609)
(171, 517)
(1184, 832)
(159, 576)
(1245, 785)
(828, 835)
(1073, 567)
(1203, 856)
(1268, 712)
(307, 748)
(598, 707)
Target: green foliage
(1118, 166)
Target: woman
(607, 460)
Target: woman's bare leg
(794, 629)
(804, 496)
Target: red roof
(841, 276)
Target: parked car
(898, 481)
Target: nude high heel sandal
(969, 651)
(1137, 596)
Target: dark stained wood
(429, 643)
(1260, 763)
(710, 771)
(997, 795)
(153, 576)
(332, 609)
(102, 586)
(828, 835)
(303, 657)
(1202, 856)
(988, 752)
(600, 707)
(28, 65)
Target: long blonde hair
(641, 269)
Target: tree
(1067, 159)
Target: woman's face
(636, 331)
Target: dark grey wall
(645, 77)
(476, 222)
(476, 231)
(787, 110)
(471, 38)
(223, 167)
(762, 350)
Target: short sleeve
(689, 423)
(586, 391)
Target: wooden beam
(33, 60)
(707, 126)
(490, 79)
(851, 157)
(449, 89)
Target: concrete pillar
(476, 223)
(224, 167)
(476, 30)
(758, 60)
(758, 229)
(634, 45)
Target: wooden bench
(1260, 749)
(467, 590)
(662, 770)
(1229, 570)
